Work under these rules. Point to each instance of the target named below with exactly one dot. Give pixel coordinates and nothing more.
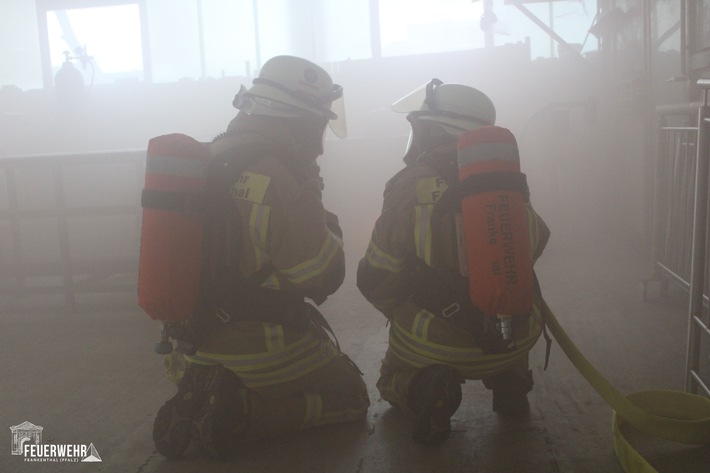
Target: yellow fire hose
(672, 415)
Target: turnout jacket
(417, 229)
(275, 228)
(275, 224)
(278, 218)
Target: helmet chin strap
(426, 136)
(240, 99)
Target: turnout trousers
(418, 338)
(295, 376)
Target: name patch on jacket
(250, 187)
(430, 189)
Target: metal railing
(674, 194)
(698, 316)
(680, 219)
(70, 223)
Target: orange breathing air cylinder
(495, 227)
(172, 231)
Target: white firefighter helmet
(455, 107)
(290, 86)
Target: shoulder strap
(216, 275)
(222, 172)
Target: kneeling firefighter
(260, 360)
(449, 262)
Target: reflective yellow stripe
(293, 371)
(263, 360)
(315, 266)
(388, 390)
(259, 370)
(485, 365)
(406, 340)
(420, 326)
(272, 282)
(412, 358)
(274, 336)
(422, 231)
(344, 415)
(415, 351)
(429, 191)
(315, 414)
(533, 229)
(314, 409)
(377, 258)
(258, 230)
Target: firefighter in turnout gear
(266, 362)
(411, 273)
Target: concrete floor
(91, 377)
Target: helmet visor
(338, 125)
(414, 100)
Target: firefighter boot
(510, 404)
(221, 420)
(510, 394)
(171, 429)
(435, 394)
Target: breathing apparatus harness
(445, 293)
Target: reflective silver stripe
(381, 260)
(174, 166)
(315, 266)
(488, 152)
(421, 323)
